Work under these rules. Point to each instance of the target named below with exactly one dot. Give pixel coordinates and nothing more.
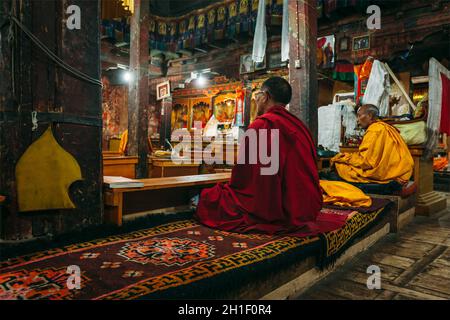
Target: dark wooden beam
(302, 61)
(138, 91)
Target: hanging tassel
(285, 33)
(260, 38)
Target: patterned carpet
(176, 260)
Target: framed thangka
(325, 52)
(201, 111)
(180, 114)
(224, 107)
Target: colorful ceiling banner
(226, 19)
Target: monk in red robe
(286, 200)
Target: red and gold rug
(176, 260)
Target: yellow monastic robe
(343, 194)
(123, 142)
(382, 157)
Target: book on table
(121, 182)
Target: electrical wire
(54, 57)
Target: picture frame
(162, 90)
(361, 43)
(344, 44)
(246, 64)
(326, 54)
(275, 60)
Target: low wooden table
(124, 166)
(163, 167)
(157, 193)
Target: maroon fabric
(445, 111)
(287, 202)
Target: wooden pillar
(302, 61)
(247, 104)
(138, 100)
(71, 106)
(166, 118)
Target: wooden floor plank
(432, 282)
(412, 253)
(352, 290)
(393, 260)
(414, 264)
(437, 269)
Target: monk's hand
(340, 157)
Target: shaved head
(370, 110)
(367, 114)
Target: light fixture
(201, 80)
(127, 76)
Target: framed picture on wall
(344, 44)
(163, 90)
(325, 52)
(361, 43)
(246, 64)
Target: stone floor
(414, 264)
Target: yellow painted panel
(44, 174)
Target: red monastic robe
(286, 202)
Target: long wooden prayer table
(108, 154)
(157, 193)
(166, 167)
(124, 166)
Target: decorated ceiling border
(218, 21)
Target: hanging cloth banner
(239, 109)
(260, 38)
(285, 33)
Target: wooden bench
(124, 166)
(157, 193)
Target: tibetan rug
(176, 260)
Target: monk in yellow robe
(383, 156)
(124, 143)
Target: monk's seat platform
(402, 210)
